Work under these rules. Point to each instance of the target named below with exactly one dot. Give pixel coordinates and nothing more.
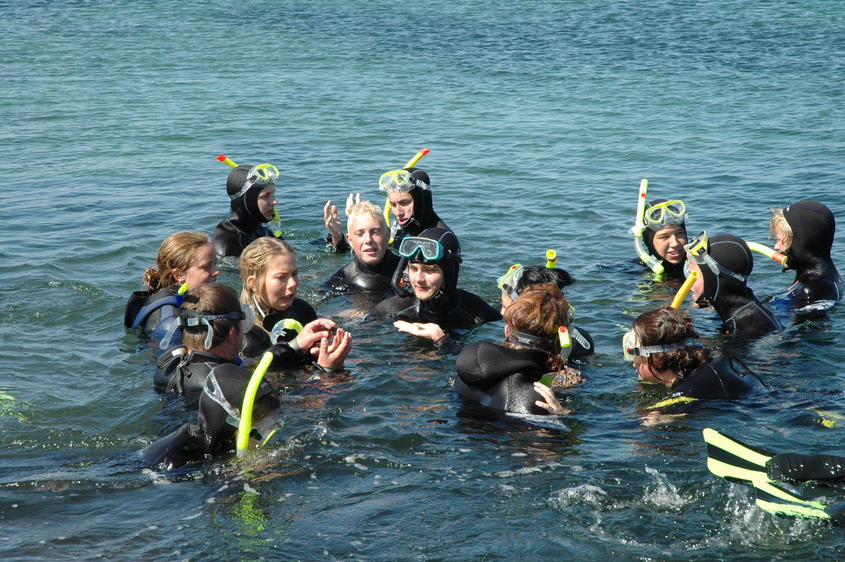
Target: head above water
(435, 246)
(524, 277)
(409, 192)
(724, 262)
(269, 274)
(533, 320)
(252, 191)
(804, 230)
(211, 299)
(666, 233)
(667, 326)
(183, 257)
(367, 232)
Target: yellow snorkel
(410, 164)
(684, 290)
(551, 259)
(638, 229)
(768, 252)
(274, 225)
(245, 425)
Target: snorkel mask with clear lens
(430, 251)
(262, 430)
(194, 318)
(665, 213)
(400, 180)
(698, 251)
(259, 176)
(631, 348)
(508, 282)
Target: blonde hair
(779, 221)
(255, 260)
(366, 209)
(175, 255)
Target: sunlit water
(541, 120)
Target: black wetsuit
(501, 377)
(245, 223)
(816, 278)
(460, 310)
(742, 314)
(582, 343)
(257, 340)
(182, 372)
(155, 313)
(715, 380)
(357, 276)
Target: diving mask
(631, 348)
(194, 318)
(430, 250)
(698, 251)
(400, 180)
(285, 330)
(665, 213)
(259, 176)
(508, 282)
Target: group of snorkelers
(405, 261)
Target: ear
(507, 331)
(179, 275)
(250, 283)
(348, 238)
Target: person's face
(426, 279)
(698, 287)
(402, 204)
(202, 271)
(644, 372)
(669, 243)
(506, 301)
(280, 282)
(367, 238)
(267, 201)
(780, 246)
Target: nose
(294, 281)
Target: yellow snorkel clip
(638, 229)
(768, 252)
(245, 425)
(551, 259)
(275, 225)
(410, 164)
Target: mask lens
(431, 250)
(396, 180)
(629, 346)
(248, 320)
(262, 175)
(666, 213)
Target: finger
(326, 208)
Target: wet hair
(211, 298)
(540, 311)
(255, 260)
(778, 221)
(536, 274)
(176, 254)
(366, 209)
(667, 325)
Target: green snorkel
(638, 229)
(245, 424)
(274, 225)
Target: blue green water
(541, 119)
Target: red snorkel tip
(222, 157)
(424, 151)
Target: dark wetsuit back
(181, 372)
(462, 310)
(716, 380)
(816, 277)
(357, 276)
(500, 377)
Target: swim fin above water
(779, 501)
(733, 460)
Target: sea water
(541, 118)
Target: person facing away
(213, 323)
(804, 232)
(724, 263)
(507, 376)
(183, 258)
(252, 199)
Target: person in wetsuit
(724, 263)
(433, 261)
(183, 257)
(661, 347)
(409, 193)
(213, 324)
(214, 433)
(804, 232)
(507, 376)
(666, 234)
(284, 321)
(518, 278)
(252, 198)
(372, 266)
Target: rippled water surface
(541, 119)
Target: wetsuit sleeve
(800, 468)
(341, 248)
(173, 450)
(225, 240)
(256, 341)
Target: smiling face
(367, 238)
(203, 268)
(668, 243)
(402, 204)
(267, 201)
(280, 282)
(426, 279)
